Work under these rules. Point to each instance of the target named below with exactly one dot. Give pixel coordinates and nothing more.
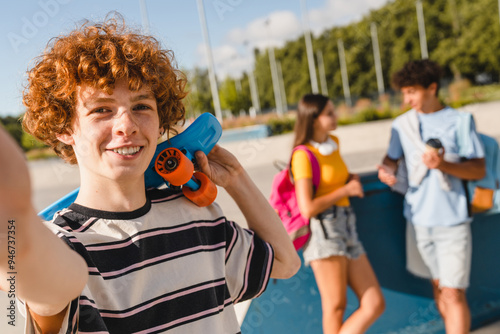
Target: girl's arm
(48, 274)
(225, 171)
(310, 207)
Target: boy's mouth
(127, 150)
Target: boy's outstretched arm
(225, 171)
(48, 274)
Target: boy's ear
(161, 132)
(66, 138)
(433, 88)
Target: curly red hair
(98, 55)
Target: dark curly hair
(418, 72)
(97, 55)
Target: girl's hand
(354, 187)
(220, 166)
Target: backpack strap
(463, 131)
(316, 171)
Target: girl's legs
(363, 282)
(331, 278)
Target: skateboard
(173, 165)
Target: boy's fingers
(201, 160)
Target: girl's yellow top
(334, 173)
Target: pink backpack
(284, 201)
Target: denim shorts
(333, 233)
(447, 252)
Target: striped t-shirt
(168, 266)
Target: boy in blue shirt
(435, 202)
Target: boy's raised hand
(387, 175)
(220, 166)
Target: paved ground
(362, 147)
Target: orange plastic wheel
(205, 195)
(174, 166)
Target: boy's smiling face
(114, 136)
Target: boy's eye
(142, 107)
(99, 110)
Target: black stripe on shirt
(158, 248)
(257, 276)
(168, 311)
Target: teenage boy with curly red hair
(436, 204)
(129, 259)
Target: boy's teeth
(127, 150)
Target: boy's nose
(125, 124)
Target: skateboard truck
(174, 160)
(177, 168)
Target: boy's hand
(433, 159)
(354, 186)
(387, 175)
(220, 166)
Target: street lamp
(322, 73)
(309, 48)
(421, 30)
(343, 72)
(144, 15)
(254, 93)
(274, 77)
(211, 70)
(376, 57)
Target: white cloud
(234, 57)
(340, 12)
(273, 30)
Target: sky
(235, 27)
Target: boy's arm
(48, 274)
(225, 170)
(387, 171)
(472, 169)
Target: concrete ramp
(293, 306)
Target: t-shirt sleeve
(301, 166)
(475, 148)
(249, 261)
(395, 150)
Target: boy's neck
(112, 196)
(431, 106)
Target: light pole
(144, 15)
(284, 103)
(343, 72)
(309, 48)
(254, 93)
(322, 73)
(376, 57)
(421, 30)
(274, 77)
(211, 70)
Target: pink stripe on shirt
(151, 234)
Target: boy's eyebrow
(109, 99)
(148, 96)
